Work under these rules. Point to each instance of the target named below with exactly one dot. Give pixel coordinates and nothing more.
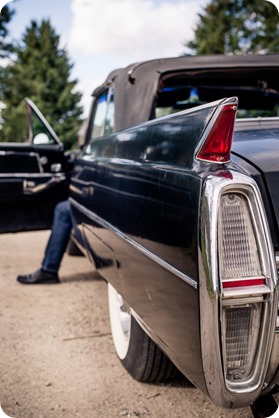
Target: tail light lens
(217, 146)
(239, 253)
(240, 333)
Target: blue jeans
(59, 237)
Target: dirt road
(57, 357)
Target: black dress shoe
(39, 277)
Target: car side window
(40, 134)
(103, 122)
(40, 131)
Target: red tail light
(217, 146)
(243, 283)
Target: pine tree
(5, 17)
(41, 71)
(5, 46)
(237, 26)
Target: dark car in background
(180, 201)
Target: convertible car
(176, 191)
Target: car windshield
(257, 91)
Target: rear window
(256, 89)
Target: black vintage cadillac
(176, 190)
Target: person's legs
(56, 246)
(59, 237)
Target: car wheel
(137, 352)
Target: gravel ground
(57, 357)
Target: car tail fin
(216, 141)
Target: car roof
(136, 85)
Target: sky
(102, 35)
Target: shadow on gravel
(82, 277)
(179, 381)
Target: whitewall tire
(138, 353)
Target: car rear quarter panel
(145, 217)
(136, 196)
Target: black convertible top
(136, 85)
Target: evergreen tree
(5, 17)
(237, 26)
(5, 47)
(41, 71)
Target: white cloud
(108, 34)
(132, 29)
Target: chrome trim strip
(258, 119)
(19, 153)
(256, 123)
(43, 120)
(135, 244)
(243, 300)
(249, 291)
(221, 391)
(30, 175)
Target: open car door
(33, 176)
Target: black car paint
(156, 287)
(257, 152)
(23, 164)
(138, 203)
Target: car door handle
(82, 188)
(88, 191)
(33, 187)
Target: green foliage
(5, 46)
(5, 17)
(41, 71)
(237, 26)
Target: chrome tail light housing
(238, 289)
